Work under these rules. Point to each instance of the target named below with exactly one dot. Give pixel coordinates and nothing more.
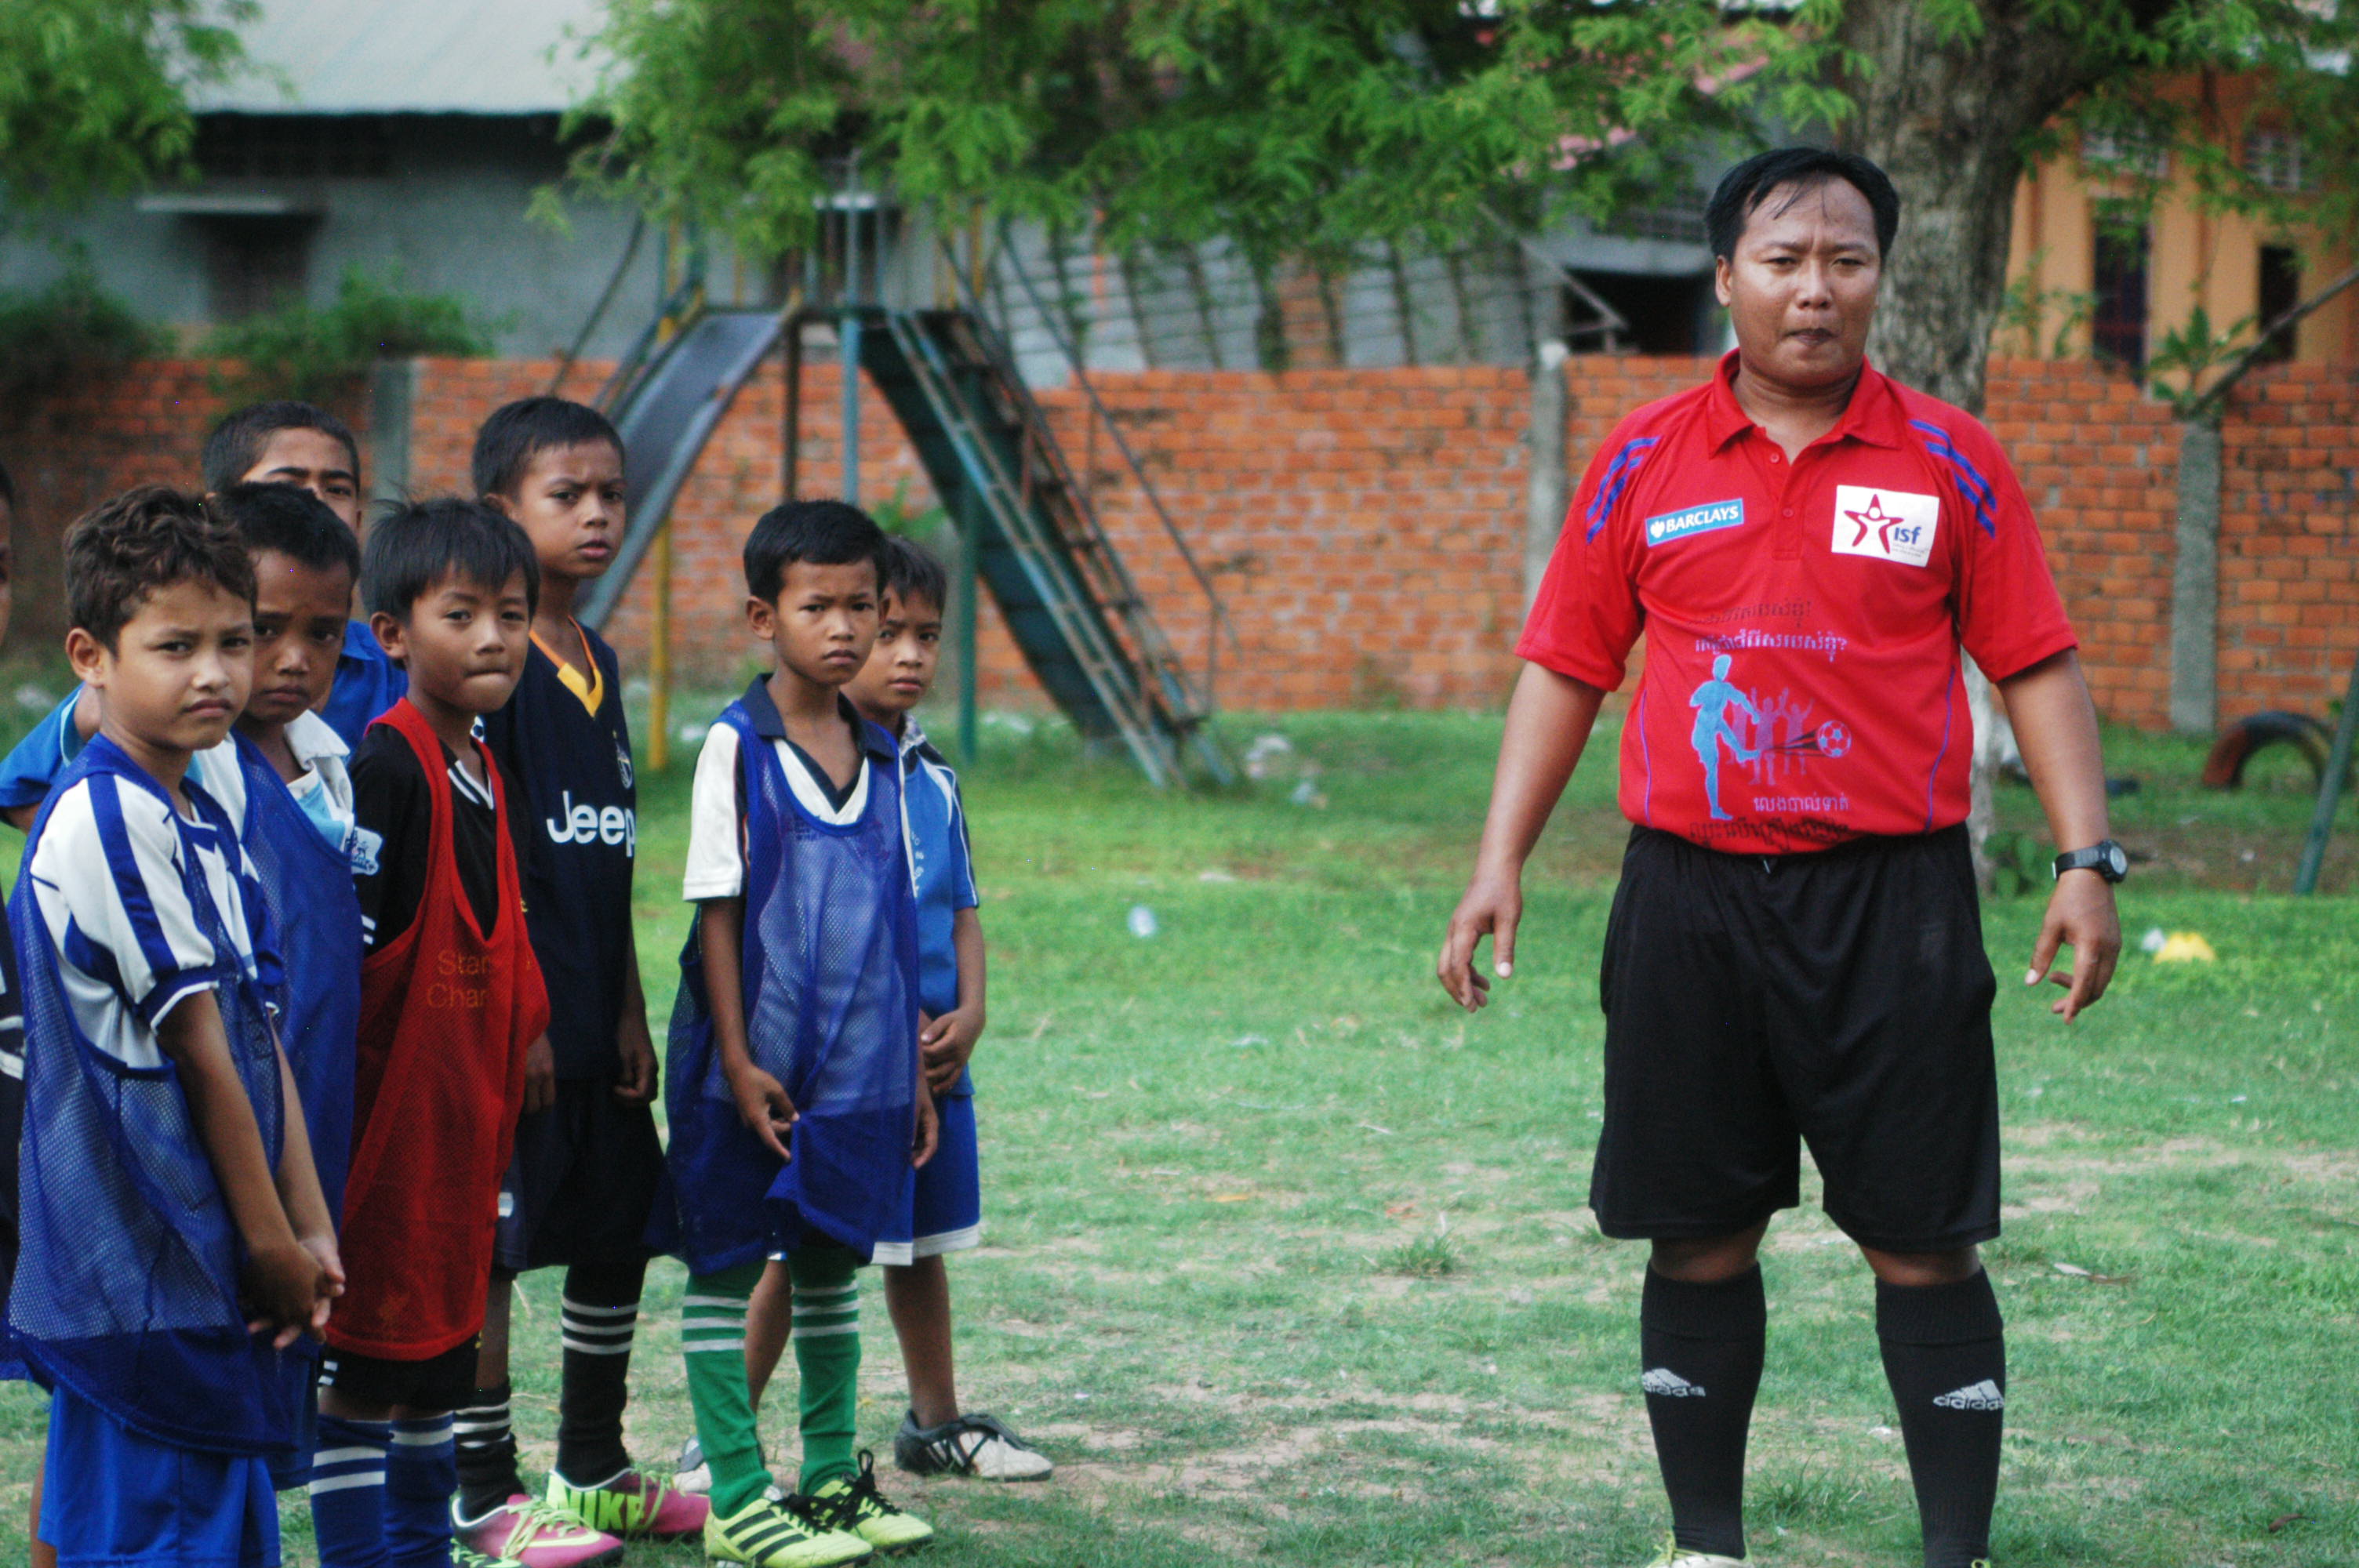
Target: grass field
(1288, 1262)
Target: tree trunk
(1545, 491)
(2195, 582)
(1948, 121)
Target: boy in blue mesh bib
(798, 1110)
(176, 1246)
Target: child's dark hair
(291, 521)
(517, 432)
(824, 532)
(236, 443)
(1750, 183)
(146, 539)
(416, 545)
(912, 571)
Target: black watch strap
(2107, 859)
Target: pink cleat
(632, 1505)
(533, 1535)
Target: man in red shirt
(1795, 953)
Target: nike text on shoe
(1669, 1384)
(632, 1505)
(1981, 1396)
(853, 1504)
(532, 1533)
(978, 1445)
(1673, 1556)
(764, 1534)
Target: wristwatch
(2107, 859)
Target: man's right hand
(1493, 907)
(283, 1287)
(762, 1105)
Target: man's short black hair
(824, 532)
(517, 432)
(143, 540)
(417, 545)
(236, 443)
(1745, 187)
(911, 572)
(291, 521)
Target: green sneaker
(764, 1534)
(468, 1557)
(1673, 1555)
(852, 1503)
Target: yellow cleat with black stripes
(764, 1534)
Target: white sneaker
(695, 1475)
(1673, 1556)
(980, 1446)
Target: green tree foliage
(94, 92)
(47, 335)
(298, 351)
(1292, 128)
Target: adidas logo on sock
(1981, 1396)
(1669, 1384)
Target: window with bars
(2119, 280)
(2273, 160)
(2126, 149)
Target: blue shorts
(948, 1216)
(113, 1499)
(948, 1213)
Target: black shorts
(444, 1382)
(1840, 998)
(583, 1178)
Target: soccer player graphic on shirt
(1711, 701)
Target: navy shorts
(1756, 1004)
(113, 1498)
(582, 1181)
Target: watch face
(2117, 861)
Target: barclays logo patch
(1702, 519)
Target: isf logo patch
(1890, 524)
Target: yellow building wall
(2193, 257)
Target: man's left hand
(2080, 914)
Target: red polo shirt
(1802, 684)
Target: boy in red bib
(450, 1001)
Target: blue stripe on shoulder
(1971, 483)
(1617, 476)
(129, 877)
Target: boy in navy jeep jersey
(587, 1167)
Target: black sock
(487, 1452)
(1702, 1347)
(1945, 1356)
(599, 1314)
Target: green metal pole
(2330, 790)
(970, 571)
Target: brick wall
(1366, 526)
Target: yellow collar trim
(591, 689)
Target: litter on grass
(2184, 948)
(1142, 921)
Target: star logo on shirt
(1889, 524)
(1875, 516)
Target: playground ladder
(1070, 603)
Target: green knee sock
(827, 1359)
(713, 1341)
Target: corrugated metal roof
(412, 56)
